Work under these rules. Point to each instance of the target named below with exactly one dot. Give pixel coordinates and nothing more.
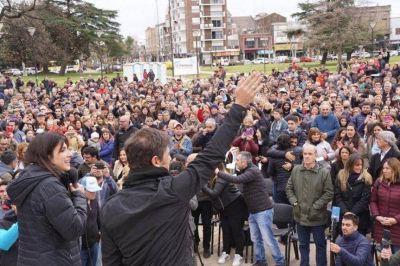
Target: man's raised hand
(248, 88)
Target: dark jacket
(146, 223)
(92, 231)
(106, 151)
(9, 258)
(222, 194)
(255, 191)
(356, 200)
(355, 251)
(120, 137)
(50, 218)
(376, 164)
(279, 175)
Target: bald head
(124, 122)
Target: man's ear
(155, 161)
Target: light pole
(99, 33)
(372, 24)
(31, 31)
(171, 37)
(196, 35)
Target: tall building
(282, 44)
(198, 27)
(395, 32)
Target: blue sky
(136, 15)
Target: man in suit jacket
(387, 143)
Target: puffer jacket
(255, 191)
(222, 194)
(312, 190)
(385, 200)
(50, 218)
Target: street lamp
(31, 31)
(99, 33)
(196, 35)
(372, 24)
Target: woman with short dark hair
(51, 210)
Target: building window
(249, 43)
(217, 1)
(217, 35)
(216, 14)
(217, 23)
(397, 31)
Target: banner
(185, 66)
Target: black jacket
(255, 191)
(279, 175)
(50, 219)
(222, 194)
(9, 258)
(120, 137)
(92, 231)
(147, 222)
(376, 164)
(356, 200)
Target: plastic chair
(283, 214)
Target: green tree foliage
(333, 25)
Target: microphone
(334, 220)
(386, 240)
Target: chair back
(283, 214)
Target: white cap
(94, 135)
(90, 184)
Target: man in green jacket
(309, 190)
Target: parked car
(281, 59)
(304, 59)
(71, 69)
(234, 62)
(31, 70)
(394, 52)
(260, 61)
(13, 72)
(246, 62)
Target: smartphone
(386, 238)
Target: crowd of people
(114, 172)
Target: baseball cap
(94, 135)
(90, 184)
(282, 90)
(178, 124)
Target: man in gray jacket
(256, 196)
(309, 190)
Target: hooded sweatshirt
(50, 218)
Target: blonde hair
(344, 174)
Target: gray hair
(310, 146)
(211, 121)
(245, 155)
(388, 137)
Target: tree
(73, 26)
(293, 34)
(10, 9)
(333, 25)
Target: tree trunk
(348, 56)
(63, 68)
(324, 57)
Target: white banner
(185, 66)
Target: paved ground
(213, 260)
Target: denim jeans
(304, 233)
(89, 256)
(261, 232)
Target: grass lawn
(206, 71)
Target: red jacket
(385, 201)
(246, 145)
